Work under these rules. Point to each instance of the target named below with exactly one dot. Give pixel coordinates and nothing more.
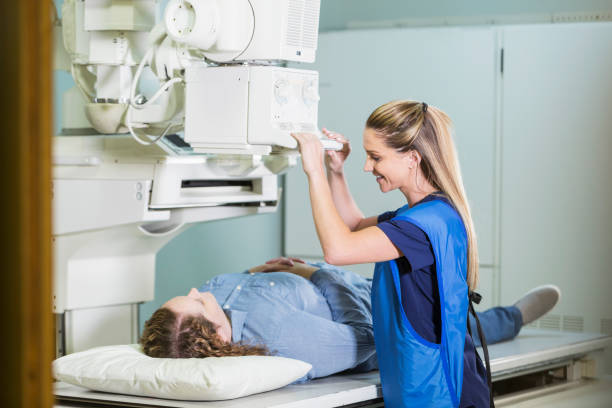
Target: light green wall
(335, 14)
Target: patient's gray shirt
(325, 321)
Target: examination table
(538, 368)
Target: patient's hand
(289, 261)
(301, 269)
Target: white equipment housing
(116, 204)
(111, 41)
(249, 108)
(107, 31)
(118, 199)
(246, 30)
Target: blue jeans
(498, 324)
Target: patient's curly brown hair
(170, 335)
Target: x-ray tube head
(230, 31)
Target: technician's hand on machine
(311, 150)
(334, 159)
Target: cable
(136, 78)
(150, 141)
(133, 105)
(77, 80)
(164, 87)
(252, 32)
(138, 138)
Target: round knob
(310, 93)
(282, 91)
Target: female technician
(425, 252)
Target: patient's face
(202, 304)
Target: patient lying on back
(316, 313)
(193, 326)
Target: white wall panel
(486, 288)
(556, 189)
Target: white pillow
(125, 369)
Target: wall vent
(577, 17)
(303, 23)
(568, 323)
(606, 326)
(573, 323)
(550, 321)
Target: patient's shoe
(537, 302)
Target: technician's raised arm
(340, 245)
(347, 208)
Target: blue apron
(415, 372)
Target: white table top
(531, 347)
(534, 346)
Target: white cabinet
(556, 168)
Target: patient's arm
(347, 303)
(345, 343)
(285, 260)
(330, 347)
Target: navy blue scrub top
(421, 300)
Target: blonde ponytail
(409, 125)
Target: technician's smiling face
(390, 167)
(204, 304)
